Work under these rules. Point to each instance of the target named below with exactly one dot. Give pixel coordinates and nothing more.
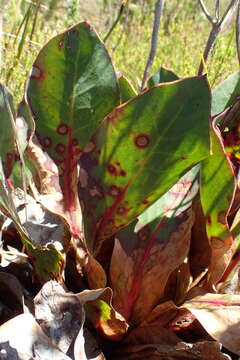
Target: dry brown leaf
(220, 316)
(22, 338)
(138, 277)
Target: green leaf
(127, 90)
(140, 151)
(226, 93)
(217, 193)
(147, 252)
(7, 142)
(72, 87)
(161, 76)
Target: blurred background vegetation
(26, 25)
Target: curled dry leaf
(103, 316)
(220, 316)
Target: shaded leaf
(115, 188)
(220, 316)
(7, 141)
(226, 93)
(161, 236)
(207, 350)
(127, 90)
(141, 259)
(161, 76)
(60, 315)
(217, 192)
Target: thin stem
(228, 13)
(238, 31)
(157, 16)
(205, 11)
(217, 25)
(217, 10)
(120, 13)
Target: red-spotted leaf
(161, 76)
(217, 192)
(220, 316)
(127, 90)
(148, 252)
(140, 151)
(71, 88)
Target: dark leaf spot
(46, 142)
(111, 169)
(222, 217)
(60, 148)
(142, 141)
(62, 129)
(114, 191)
(122, 173)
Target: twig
(120, 13)
(157, 16)
(217, 25)
(238, 31)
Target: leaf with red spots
(220, 316)
(161, 76)
(127, 90)
(140, 151)
(71, 88)
(7, 141)
(147, 252)
(217, 192)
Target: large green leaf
(226, 93)
(140, 151)
(217, 193)
(71, 88)
(149, 251)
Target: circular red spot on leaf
(111, 169)
(209, 220)
(122, 173)
(46, 142)
(121, 210)
(142, 141)
(10, 156)
(62, 129)
(60, 148)
(114, 191)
